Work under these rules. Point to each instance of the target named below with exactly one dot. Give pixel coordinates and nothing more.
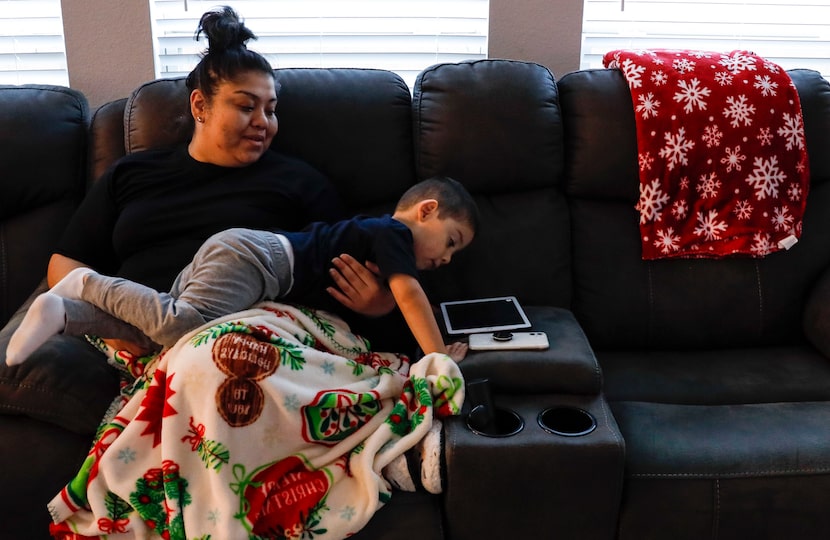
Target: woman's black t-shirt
(147, 216)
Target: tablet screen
(484, 315)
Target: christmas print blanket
(275, 422)
(722, 158)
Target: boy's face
(437, 239)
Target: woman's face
(237, 125)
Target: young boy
(237, 268)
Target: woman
(147, 217)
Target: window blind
(792, 34)
(404, 36)
(31, 43)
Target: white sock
(46, 317)
(72, 283)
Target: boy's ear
(427, 208)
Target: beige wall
(545, 31)
(109, 46)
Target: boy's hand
(359, 287)
(457, 350)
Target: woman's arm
(359, 287)
(59, 266)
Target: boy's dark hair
(454, 200)
(226, 56)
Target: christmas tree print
(213, 454)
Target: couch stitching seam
(745, 474)
(716, 517)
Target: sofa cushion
(817, 315)
(43, 134)
(65, 382)
(623, 301)
(717, 376)
(496, 126)
(353, 125)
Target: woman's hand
(132, 348)
(359, 287)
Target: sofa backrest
(354, 125)
(496, 126)
(43, 141)
(624, 301)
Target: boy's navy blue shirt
(383, 240)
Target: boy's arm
(417, 311)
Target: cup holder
(567, 421)
(497, 422)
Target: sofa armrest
(534, 483)
(567, 367)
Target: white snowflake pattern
(708, 186)
(683, 65)
(765, 85)
(676, 149)
(633, 73)
(765, 136)
(700, 54)
(793, 131)
(766, 177)
(743, 210)
(126, 455)
(292, 402)
(782, 220)
(645, 160)
(692, 94)
(667, 241)
(723, 78)
(347, 513)
(684, 182)
(679, 209)
(712, 135)
(739, 62)
(794, 192)
(739, 110)
(652, 200)
(659, 77)
(771, 67)
(708, 225)
(733, 159)
(648, 106)
(761, 244)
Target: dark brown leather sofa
(696, 428)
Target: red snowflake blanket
(270, 423)
(723, 163)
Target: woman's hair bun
(223, 29)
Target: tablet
(483, 315)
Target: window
(31, 43)
(792, 34)
(404, 36)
